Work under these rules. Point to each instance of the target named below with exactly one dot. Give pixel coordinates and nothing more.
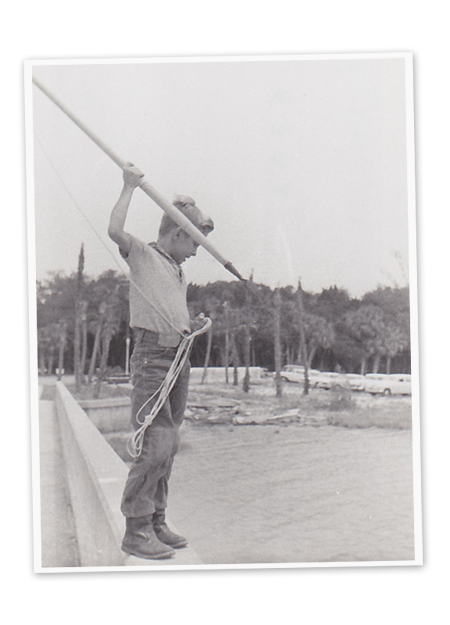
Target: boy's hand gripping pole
(169, 208)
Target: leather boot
(140, 540)
(164, 534)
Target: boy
(160, 319)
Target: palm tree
(84, 336)
(62, 337)
(277, 341)
(248, 338)
(365, 325)
(212, 309)
(98, 334)
(302, 349)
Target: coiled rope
(137, 440)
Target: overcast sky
(302, 164)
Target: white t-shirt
(157, 293)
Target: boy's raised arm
(131, 177)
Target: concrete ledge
(96, 478)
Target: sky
(301, 162)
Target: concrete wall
(96, 479)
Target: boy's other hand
(132, 176)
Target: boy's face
(184, 247)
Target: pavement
(58, 537)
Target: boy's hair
(186, 205)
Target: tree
(212, 308)
(319, 333)
(393, 340)
(247, 340)
(62, 337)
(226, 355)
(84, 337)
(108, 296)
(395, 337)
(277, 341)
(302, 347)
(98, 334)
(366, 326)
(331, 304)
(78, 315)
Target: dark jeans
(146, 488)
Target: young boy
(160, 319)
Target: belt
(143, 335)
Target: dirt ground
(225, 403)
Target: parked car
(330, 379)
(357, 382)
(395, 384)
(296, 373)
(317, 379)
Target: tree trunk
(302, 337)
(76, 347)
(388, 365)
(363, 365)
(62, 345)
(42, 359)
(247, 340)
(106, 342)
(98, 334)
(322, 360)
(83, 348)
(277, 341)
(51, 359)
(227, 340)
(208, 354)
(312, 354)
(78, 317)
(235, 360)
(376, 363)
(127, 355)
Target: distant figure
(159, 318)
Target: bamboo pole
(169, 208)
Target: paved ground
(59, 547)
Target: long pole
(169, 208)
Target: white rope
(136, 442)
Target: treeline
(340, 333)
(83, 326)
